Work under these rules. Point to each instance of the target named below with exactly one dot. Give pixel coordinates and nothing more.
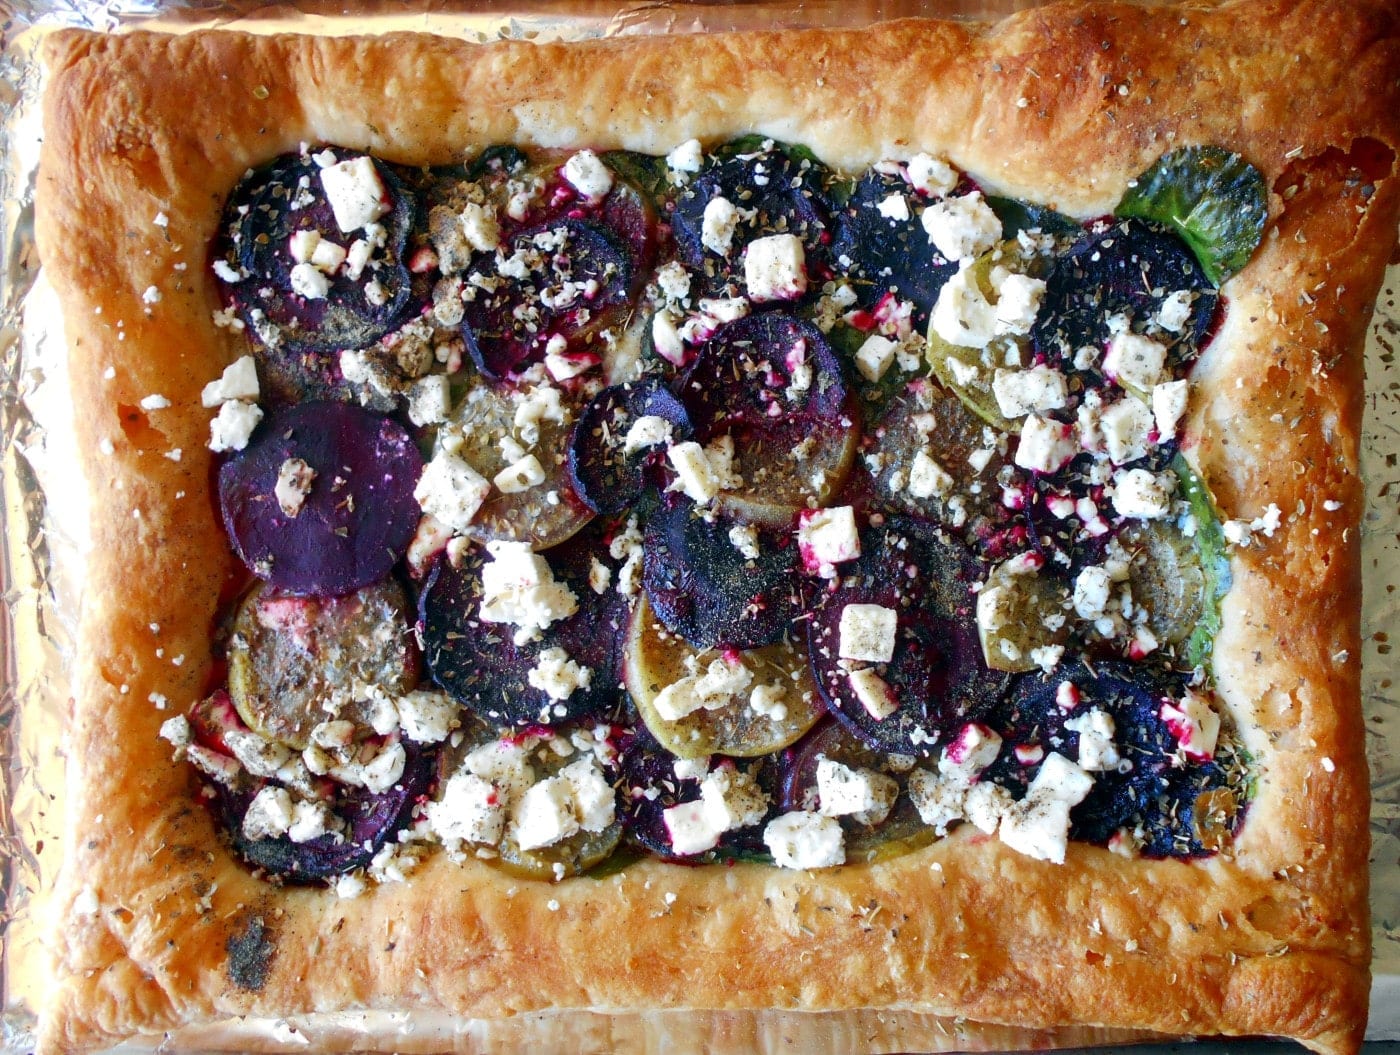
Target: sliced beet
(1129, 267)
(371, 819)
(882, 254)
(358, 516)
(786, 194)
(564, 274)
(300, 337)
(480, 664)
(936, 675)
(606, 477)
(704, 589)
(774, 385)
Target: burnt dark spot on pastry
(251, 951)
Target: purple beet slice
(936, 674)
(882, 254)
(357, 516)
(1129, 267)
(605, 476)
(774, 385)
(299, 338)
(704, 589)
(562, 275)
(786, 194)
(480, 664)
(371, 821)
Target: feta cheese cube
(805, 840)
(1092, 587)
(1097, 751)
(874, 693)
(558, 676)
(940, 801)
(693, 471)
(238, 381)
(986, 804)
(974, 749)
(594, 803)
(844, 791)
(962, 315)
(355, 192)
(692, 828)
(1126, 426)
(874, 356)
(269, 815)
(688, 157)
(1169, 406)
(470, 809)
(1175, 310)
(1194, 723)
(1134, 361)
(544, 815)
(379, 774)
(429, 400)
(775, 268)
(1059, 778)
(718, 224)
(766, 701)
(1038, 828)
(827, 537)
(294, 479)
(1033, 391)
(504, 763)
(233, 426)
(933, 177)
(327, 256)
(309, 283)
(928, 479)
(542, 403)
(427, 717)
(732, 798)
(518, 587)
(961, 228)
(311, 820)
(451, 491)
(1141, 494)
(480, 227)
(587, 174)
(649, 430)
(867, 633)
(1018, 301)
(302, 244)
(1046, 444)
(520, 476)
(666, 338)
(744, 538)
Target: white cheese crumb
(717, 226)
(355, 192)
(451, 491)
(874, 356)
(961, 228)
(649, 430)
(238, 381)
(233, 426)
(775, 268)
(867, 633)
(931, 176)
(805, 840)
(587, 174)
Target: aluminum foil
(43, 537)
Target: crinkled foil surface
(43, 541)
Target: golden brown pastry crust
(1061, 105)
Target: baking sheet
(43, 540)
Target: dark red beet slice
(703, 588)
(649, 787)
(787, 195)
(359, 515)
(300, 338)
(880, 255)
(572, 270)
(604, 475)
(371, 819)
(480, 664)
(1155, 792)
(1129, 267)
(937, 674)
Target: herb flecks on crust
(754, 511)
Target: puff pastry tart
(801, 523)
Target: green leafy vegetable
(648, 174)
(1017, 216)
(1210, 543)
(754, 144)
(1215, 200)
(506, 157)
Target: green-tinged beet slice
(304, 312)
(556, 280)
(480, 664)
(935, 679)
(290, 656)
(773, 384)
(607, 471)
(345, 513)
(705, 589)
(370, 820)
(869, 838)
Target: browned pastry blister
(160, 927)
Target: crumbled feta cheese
(469, 809)
(1018, 301)
(1046, 445)
(311, 820)
(327, 256)
(928, 479)
(931, 176)
(302, 244)
(379, 774)
(542, 403)
(1033, 391)
(1141, 494)
(775, 268)
(269, 815)
(873, 692)
(843, 791)
(591, 794)
(1194, 723)
(717, 226)
(1092, 588)
(558, 676)
(673, 280)
(1134, 361)
(691, 828)
(520, 476)
(894, 207)
(1096, 729)
(939, 800)
(430, 400)
(294, 479)
(1125, 427)
(805, 840)
(744, 538)
(974, 749)
(766, 701)
(722, 681)
(695, 474)
(480, 227)
(544, 815)
(451, 491)
(666, 338)
(867, 633)
(154, 402)
(962, 315)
(1169, 406)
(826, 538)
(874, 356)
(1060, 778)
(688, 157)
(355, 192)
(309, 283)
(427, 717)
(1175, 310)
(587, 174)
(732, 798)
(177, 730)
(1038, 825)
(233, 426)
(961, 228)
(518, 587)
(649, 430)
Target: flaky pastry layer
(163, 928)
